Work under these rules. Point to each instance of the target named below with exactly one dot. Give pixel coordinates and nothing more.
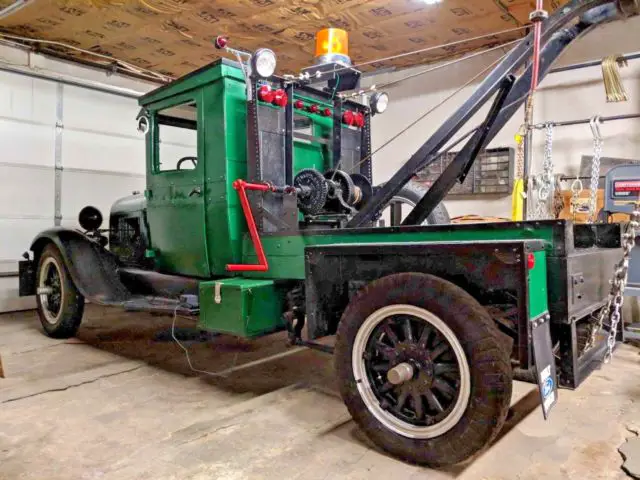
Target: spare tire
(410, 194)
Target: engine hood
(128, 205)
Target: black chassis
(579, 263)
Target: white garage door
(63, 147)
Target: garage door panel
(100, 190)
(95, 151)
(26, 191)
(26, 143)
(27, 98)
(17, 234)
(116, 116)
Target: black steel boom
(589, 13)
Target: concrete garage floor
(120, 402)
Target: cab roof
(198, 78)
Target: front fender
(93, 269)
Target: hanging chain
(576, 190)
(595, 166)
(545, 179)
(618, 283)
(519, 171)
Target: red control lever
(262, 266)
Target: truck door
(175, 187)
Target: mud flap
(545, 362)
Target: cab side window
(177, 138)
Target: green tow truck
(260, 214)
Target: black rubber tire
(72, 306)
(489, 364)
(414, 192)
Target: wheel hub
(417, 377)
(50, 291)
(403, 372)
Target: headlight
(263, 62)
(379, 102)
(143, 125)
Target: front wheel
(422, 369)
(60, 304)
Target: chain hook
(594, 123)
(576, 186)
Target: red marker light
(358, 119)
(531, 261)
(298, 104)
(221, 42)
(265, 93)
(326, 112)
(280, 98)
(314, 109)
(348, 118)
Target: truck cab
(202, 134)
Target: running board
(160, 305)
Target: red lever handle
(262, 266)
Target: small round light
(298, 104)
(143, 125)
(265, 93)
(280, 98)
(326, 112)
(220, 42)
(263, 62)
(379, 102)
(314, 109)
(348, 118)
(358, 119)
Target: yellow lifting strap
(518, 193)
(517, 200)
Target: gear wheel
(343, 179)
(312, 191)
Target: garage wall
(63, 147)
(563, 96)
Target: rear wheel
(60, 305)
(422, 369)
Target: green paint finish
(309, 155)
(195, 80)
(537, 285)
(199, 234)
(182, 248)
(246, 308)
(285, 254)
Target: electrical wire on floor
(225, 373)
(186, 351)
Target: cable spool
(364, 189)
